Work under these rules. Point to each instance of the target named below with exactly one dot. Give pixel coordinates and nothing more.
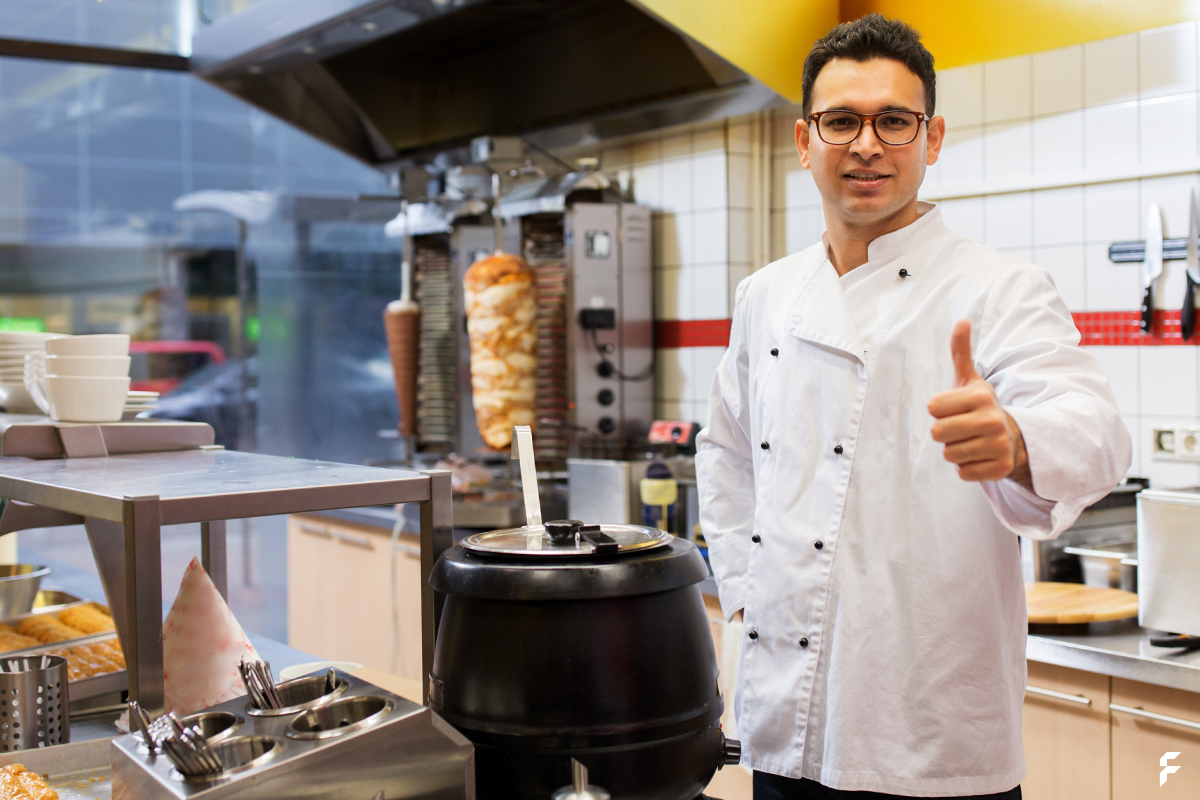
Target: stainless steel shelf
(202, 485)
(124, 500)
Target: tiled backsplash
(685, 176)
(1052, 156)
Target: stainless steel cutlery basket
(33, 702)
(333, 736)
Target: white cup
(20, 339)
(88, 366)
(35, 381)
(83, 399)
(99, 344)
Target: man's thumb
(960, 352)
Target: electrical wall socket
(1177, 443)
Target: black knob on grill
(733, 752)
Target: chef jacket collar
(897, 243)
(820, 313)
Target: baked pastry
(88, 619)
(86, 661)
(500, 295)
(11, 640)
(47, 629)
(18, 783)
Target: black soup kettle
(591, 642)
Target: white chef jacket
(884, 610)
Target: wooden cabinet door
(407, 555)
(340, 602)
(1066, 735)
(361, 595)
(1139, 744)
(311, 614)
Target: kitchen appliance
(355, 741)
(1188, 314)
(1111, 566)
(1110, 521)
(591, 250)
(385, 80)
(562, 641)
(1169, 560)
(1152, 264)
(608, 489)
(445, 231)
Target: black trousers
(775, 787)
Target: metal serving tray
(398, 751)
(77, 771)
(85, 688)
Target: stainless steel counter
(1120, 649)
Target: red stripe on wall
(1123, 328)
(1096, 328)
(692, 333)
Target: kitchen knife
(1152, 264)
(1187, 317)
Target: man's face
(867, 182)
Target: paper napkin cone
(202, 645)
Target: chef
(897, 405)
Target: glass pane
(213, 10)
(92, 161)
(161, 26)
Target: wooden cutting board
(1073, 603)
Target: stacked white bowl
(14, 347)
(81, 378)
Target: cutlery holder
(357, 741)
(33, 702)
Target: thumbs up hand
(979, 435)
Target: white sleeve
(1060, 398)
(724, 469)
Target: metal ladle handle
(522, 450)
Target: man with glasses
(898, 403)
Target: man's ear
(936, 135)
(802, 142)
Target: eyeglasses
(843, 127)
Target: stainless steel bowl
(339, 717)
(300, 694)
(19, 585)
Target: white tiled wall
(696, 181)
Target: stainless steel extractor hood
(393, 81)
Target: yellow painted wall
(961, 32)
(770, 38)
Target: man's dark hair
(872, 36)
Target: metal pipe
(436, 538)
(213, 555)
(143, 602)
